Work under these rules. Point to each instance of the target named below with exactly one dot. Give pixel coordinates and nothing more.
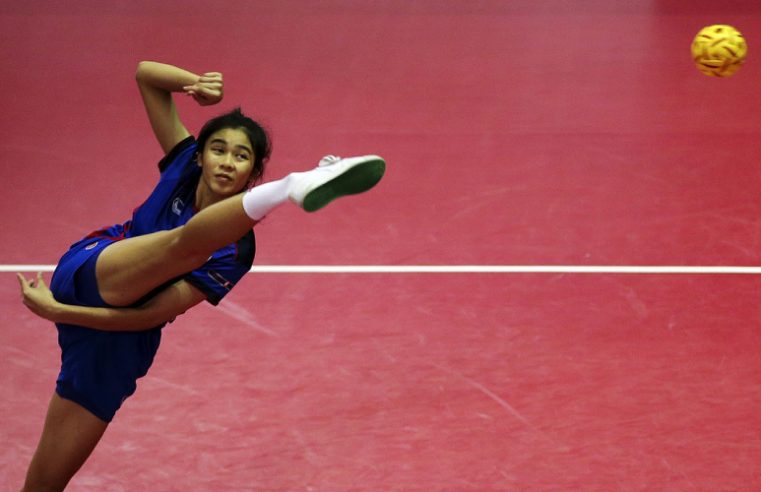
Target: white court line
(503, 269)
(613, 269)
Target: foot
(336, 177)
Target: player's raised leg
(129, 269)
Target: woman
(192, 240)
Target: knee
(183, 247)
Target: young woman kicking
(191, 240)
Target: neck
(204, 196)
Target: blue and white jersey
(171, 204)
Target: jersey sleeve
(224, 269)
(181, 155)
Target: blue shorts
(99, 369)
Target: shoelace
(328, 160)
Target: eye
(243, 157)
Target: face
(227, 161)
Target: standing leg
(69, 436)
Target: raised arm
(157, 82)
(162, 308)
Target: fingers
(207, 90)
(31, 284)
(40, 280)
(25, 286)
(22, 281)
(206, 97)
(211, 80)
(215, 86)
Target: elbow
(157, 320)
(159, 317)
(142, 68)
(147, 318)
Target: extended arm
(162, 308)
(157, 82)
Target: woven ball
(719, 50)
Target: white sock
(262, 199)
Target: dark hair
(257, 135)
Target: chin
(226, 191)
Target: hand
(37, 297)
(208, 89)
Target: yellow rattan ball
(719, 50)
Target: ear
(199, 163)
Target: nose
(227, 161)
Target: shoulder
(184, 150)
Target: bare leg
(69, 436)
(129, 269)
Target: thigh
(68, 438)
(129, 269)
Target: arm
(157, 82)
(162, 308)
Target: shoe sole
(354, 180)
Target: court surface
(521, 133)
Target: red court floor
(516, 133)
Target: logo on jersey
(177, 206)
(91, 246)
(226, 284)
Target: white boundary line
(611, 269)
(505, 269)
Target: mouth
(225, 178)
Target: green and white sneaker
(335, 177)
